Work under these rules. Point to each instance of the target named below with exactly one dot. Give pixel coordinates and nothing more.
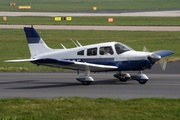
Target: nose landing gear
(141, 78)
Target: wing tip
(163, 53)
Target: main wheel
(86, 83)
(142, 81)
(123, 79)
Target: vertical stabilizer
(36, 44)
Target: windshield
(120, 48)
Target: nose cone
(154, 57)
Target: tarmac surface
(135, 13)
(74, 27)
(163, 84)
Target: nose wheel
(141, 78)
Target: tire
(86, 83)
(123, 80)
(142, 82)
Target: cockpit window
(120, 48)
(106, 50)
(91, 51)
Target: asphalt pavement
(163, 84)
(135, 13)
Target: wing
(163, 53)
(74, 65)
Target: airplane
(102, 57)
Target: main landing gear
(86, 79)
(123, 77)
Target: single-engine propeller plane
(102, 57)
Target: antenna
(74, 42)
(63, 46)
(79, 43)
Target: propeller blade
(163, 64)
(145, 49)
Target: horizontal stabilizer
(163, 53)
(22, 60)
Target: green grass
(87, 5)
(14, 44)
(118, 21)
(91, 109)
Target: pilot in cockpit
(107, 51)
(118, 50)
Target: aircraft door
(120, 52)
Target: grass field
(14, 44)
(87, 5)
(118, 21)
(89, 109)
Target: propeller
(154, 58)
(163, 64)
(145, 49)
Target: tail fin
(36, 44)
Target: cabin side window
(80, 52)
(107, 50)
(92, 52)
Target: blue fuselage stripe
(122, 65)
